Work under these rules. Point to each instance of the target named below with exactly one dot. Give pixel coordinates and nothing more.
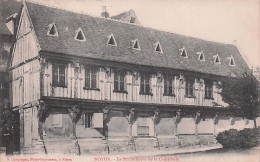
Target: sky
(226, 21)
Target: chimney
(104, 12)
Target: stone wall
(115, 137)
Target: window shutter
(97, 120)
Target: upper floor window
(145, 87)
(111, 40)
(189, 89)
(216, 59)
(169, 85)
(158, 48)
(91, 77)
(201, 56)
(80, 35)
(136, 44)
(119, 81)
(52, 31)
(231, 61)
(183, 52)
(59, 74)
(208, 89)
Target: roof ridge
(110, 19)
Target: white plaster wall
(223, 124)
(250, 124)
(186, 126)
(206, 126)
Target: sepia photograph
(129, 81)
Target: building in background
(9, 121)
(85, 84)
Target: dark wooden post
(105, 120)
(131, 118)
(197, 119)
(177, 120)
(41, 114)
(156, 119)
(74, 114)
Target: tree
(242, 95)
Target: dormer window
(183, 52)
(136, 45)
(80, 35)
(52, 31)
(158, 48)
(216, 59)
(111, 40)
(201, 56)
(231, 61)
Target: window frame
(185, 51)
(169, 82)
(146, 78)
(111, 36)
(208, 89)
(119, 81)
(231, 59)
(134, 43)
(65, 75)
(56, 33)
(76, 35)
(188, 88)
(215, 59)
(157, 44)
(89, 123)
(91, 71)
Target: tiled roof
(97, 29)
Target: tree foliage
(242, 95)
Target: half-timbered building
(85, 84)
